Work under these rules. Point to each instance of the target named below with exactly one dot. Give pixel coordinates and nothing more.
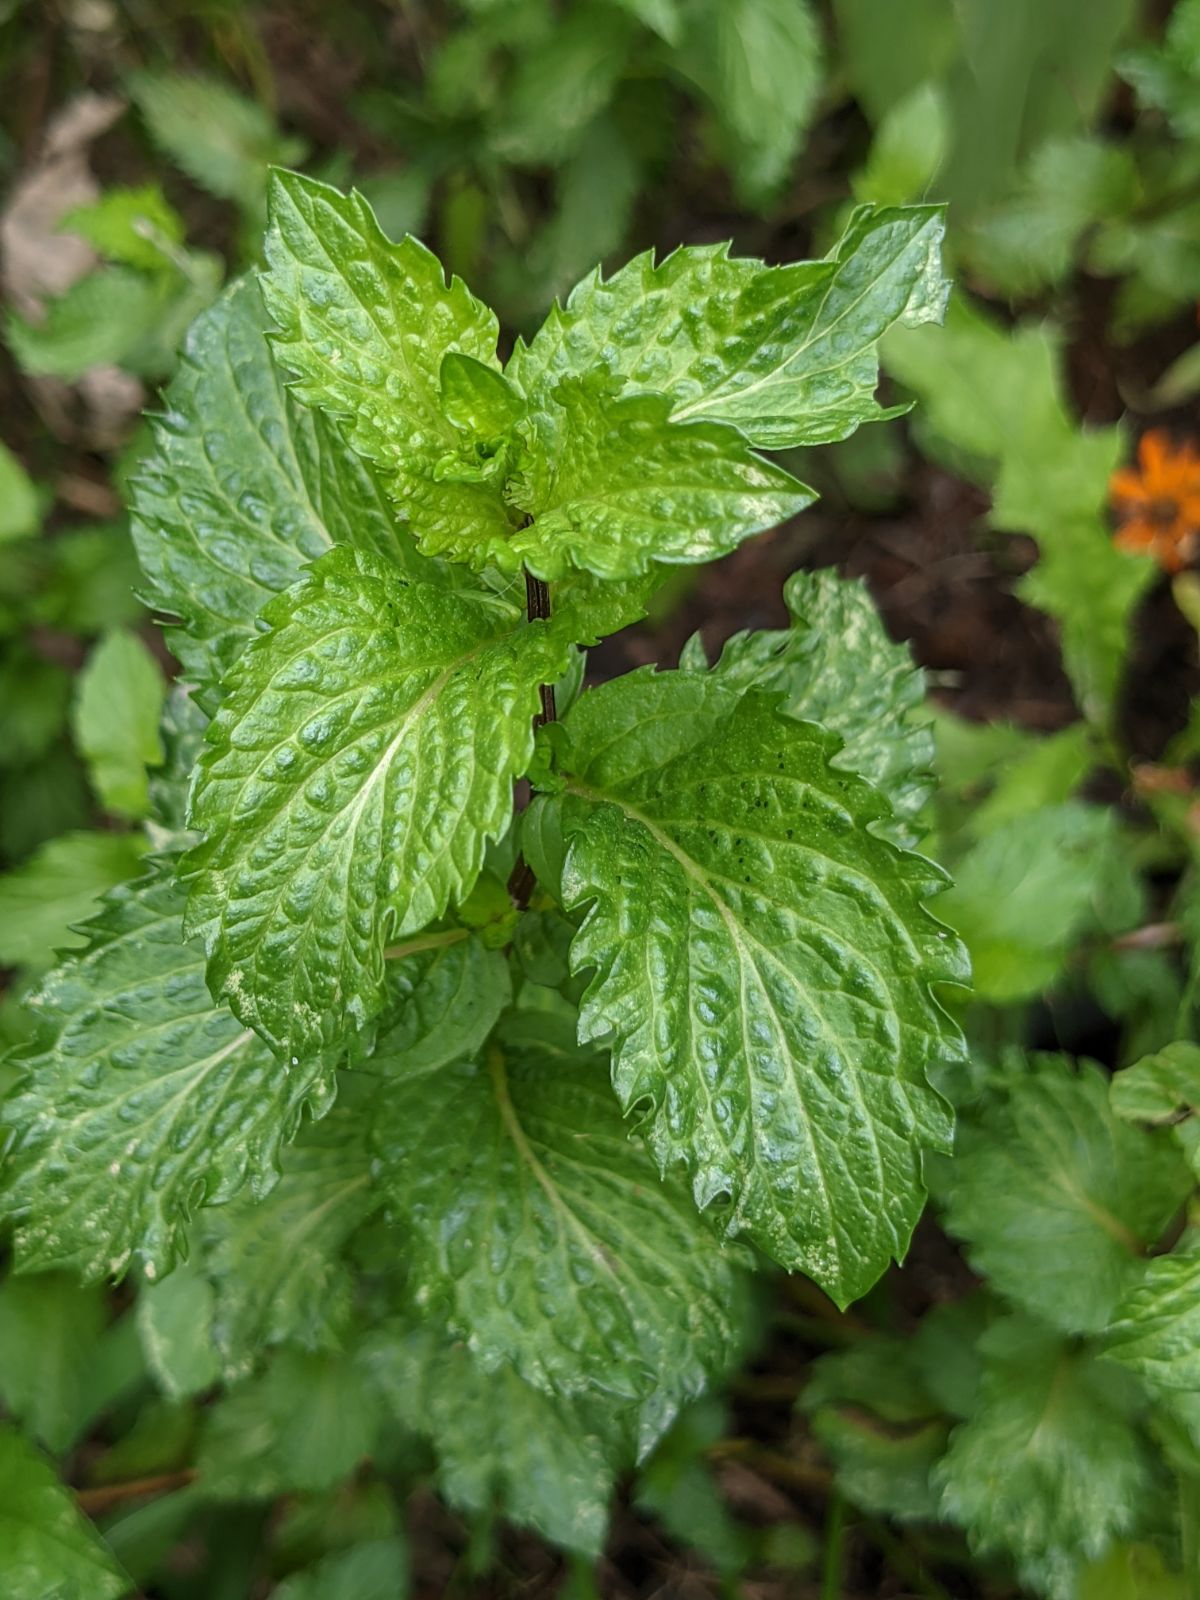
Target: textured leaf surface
(140, 1099)
(626, 486)
(548, 1462)
(764, 962)
(1164, 1090)
(541, 1235)
(836, 665)
(1156, 1331)
(43, 900)
(276, 1265)
(118, 702)
(786, 354)
(350, 782)
(49, 1549)
(1056, 1198)
(448, 999)
(365, 323)
(245, 487)
(1049, 1470)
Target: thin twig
(95, 1502)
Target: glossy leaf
(614, 485)
(1156, 1330)
(244, 488)
(363, 758)
(447, 998)
(836, 665)
(1056, 1199)
(133, 1112)
(765, 964)
(49, 1548)
(785, 354)
(520, 1189)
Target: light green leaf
(1130, 1572)
(785, 354)
(20, 508)
(223, 141)
(276, 1264)
(175, 1322)
(118, 700)
(1050, 1469)
(304, 1424)
(560, 84)
(1163, 1090)
(765, 964)
(49, 1330)
(477, 398)
(350, 782)
(539, 1233)
(759, 63)
(42, 901)
(909, 146)
(836, 665)
(874, 1418)
(1024, 893)
(100, 320)
(133, 1112)
(548, 1462)
(365, 323)
(1057, 1200)
(135, 226)
(614, 485)
(374, 1570)
(244, 488)
(1156, 1329)
(49, 1548)
(448, 998)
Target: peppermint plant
(471, 1036)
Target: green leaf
(49, 1548)
(449, 997)
(785, 354)
(374, 1570)
(91, 584)
(759, 63)
(909, 146)
(1163, 1090)
(244, 488)
(477, 398)
(223, 141)
(520, 1190)
(873, 1416)
(1130, 1572)
(365, 323)
(49, 1330)
(135, 1111)
(547, 1462)
(1057, 1200)
(118, 700)
(304, 1424)
(764, 962)
(20, 508)
(137, 227)
(34, 696)
(276, 1264)
(350, 782)
(1049, 1470)
(1024, 893)
(100, 320)
(614, 485)
(42, 901)
(836, 665)
(175, 1323)
(1166, 75)
(1156, 1329)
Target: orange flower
(1158, 502)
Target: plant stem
(835, 1529)
(94, 1502)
